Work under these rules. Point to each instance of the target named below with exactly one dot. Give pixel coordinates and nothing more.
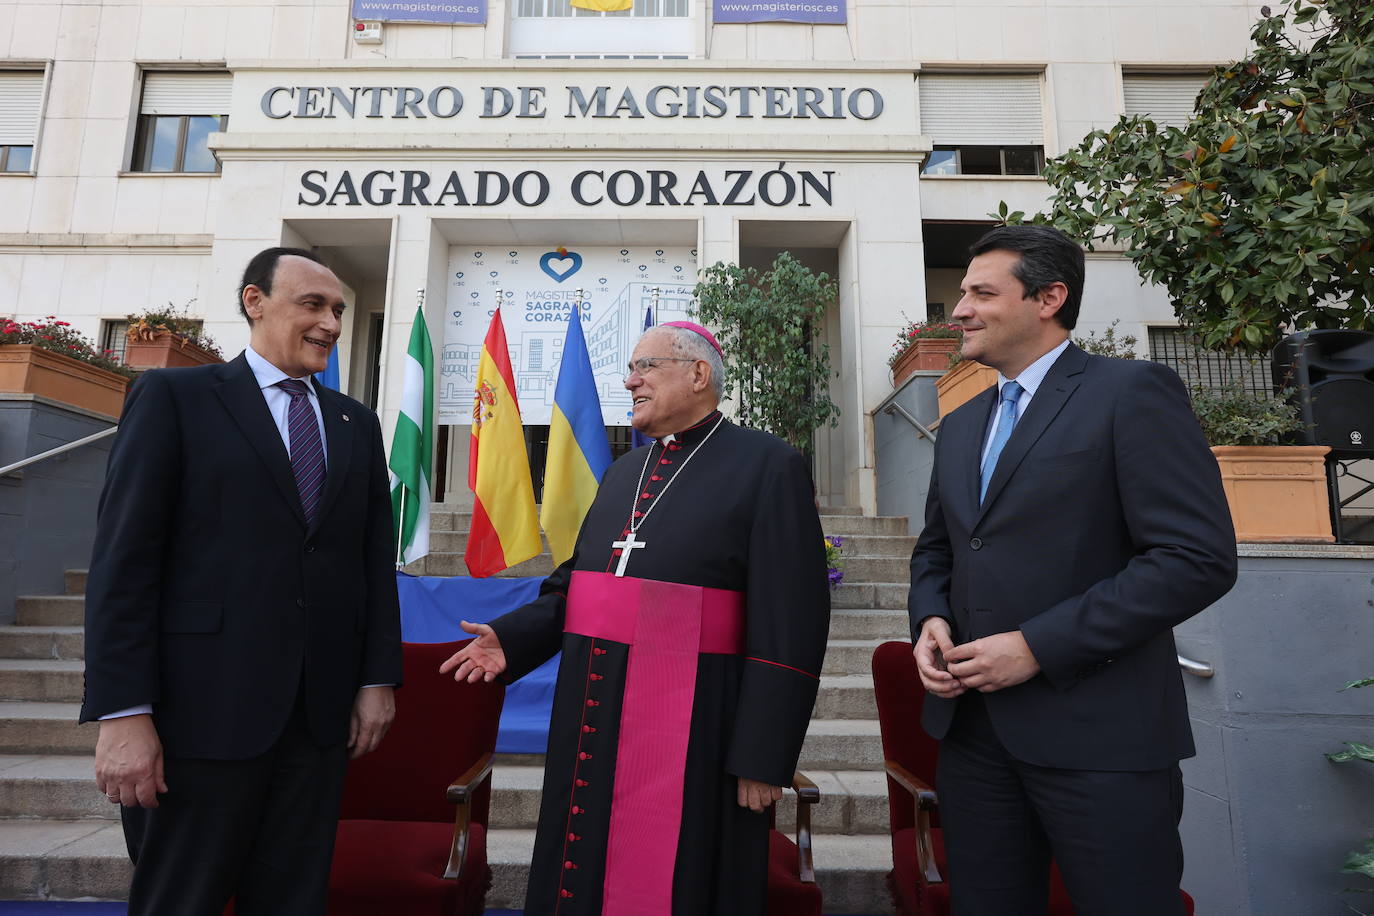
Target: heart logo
(644, 267)
(560, 264)
(694, 252)
(677, 268)
(658, 253)
(624, 251)
(601, 280)
(459, 275)
(492, 274)
(511, 253)
(477, 254)
(475, 295)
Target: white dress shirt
(1029, 380)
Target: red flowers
(60, 337)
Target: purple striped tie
(307, 451)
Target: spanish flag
(579, 452)
(604, 6)
(505, 528)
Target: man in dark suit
(1075, 516)
(242, 626)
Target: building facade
(545, 155)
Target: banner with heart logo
(540, 285)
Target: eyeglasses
(642, 365)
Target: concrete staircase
(60, 840)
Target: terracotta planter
(963, 383)
(930, 354)
(166, 351)
(1277, 493)
(33, 370)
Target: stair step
(63, 860)
(840, 510)
(864, 524)
(869, 623)
(42, 642)
(878, 569)
(877, 545)
(853, 593)
(845, 697)
(87, 859)
(76, 581)
(849, 656)
(44, 728)
(842, 744)
(452, 564)
(50, 610)
(41, 680)
(51, 786)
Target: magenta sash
(667, 626)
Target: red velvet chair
(412, 837)
(792, 889)
(918, 852)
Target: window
(113, 337)
(557, 30)
(1165, 98)
(178, 113)
(983, 124)
(531, 9)
(21, 100)
(985, 160)
(1178, 349)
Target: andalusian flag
(505, 528)
(579, 452)
(412, 446)
(604, 6)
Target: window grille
(1214, 370)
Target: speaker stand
(1337, 468)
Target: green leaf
(1357, 751)
(1363, 682)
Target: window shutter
(1166, 99)
(186, 93)
(993, 109)
(21, 98)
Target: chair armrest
(460, 793)
(807, 795)
(926, 802)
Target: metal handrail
(34, 459)
(902, 411)
(1196, 668)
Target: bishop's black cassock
(736, 530)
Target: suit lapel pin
(345, 417)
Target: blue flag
(329, 378)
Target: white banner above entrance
(540, 286)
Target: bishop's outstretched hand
(480, 660)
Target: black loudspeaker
(1332, 377)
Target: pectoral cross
(625, 547)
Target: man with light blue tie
(242, 625)
(1074, 517)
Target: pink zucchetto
(696, 329)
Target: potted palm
(167, 338)
(923, 345)
(51, 359)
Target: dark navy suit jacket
(1104, 525)
(209, 596)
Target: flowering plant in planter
(60, 337)
(914, 331)
(834, 559)
(145, 326)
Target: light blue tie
(1006, 420)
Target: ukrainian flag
(579, 452)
